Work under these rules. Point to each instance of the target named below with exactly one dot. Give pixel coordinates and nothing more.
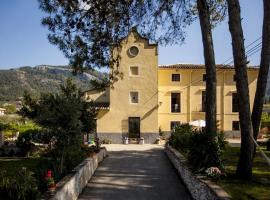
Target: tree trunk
(62, 161)
(263, 73)
(210, 67)
(244, 167)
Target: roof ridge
(200, 66)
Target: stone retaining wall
(72, 185)
(199, 187)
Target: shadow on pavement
(135, 175)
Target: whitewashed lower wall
(199, 187)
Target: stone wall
(199, 187)
(72, 185)
(117, 138)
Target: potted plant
(50, 181)
(214, 173)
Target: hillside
(42, 78)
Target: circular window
(133, 51)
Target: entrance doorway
(134, 127)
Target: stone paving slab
(135, 172)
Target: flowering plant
(50, 183)
(213, 172)
(49, 179)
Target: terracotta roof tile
(200, 66)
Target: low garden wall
(199, 187)
(72, 185)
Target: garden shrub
(40, 172)
(66, 117)
(21, 186)
(24, 141)
(88, 150)
(222, 140)
(74, 157)
(268, 145)
(204, 152)
(180, 137)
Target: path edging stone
(72, 185)
(199, 187)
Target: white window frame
(132, 75)
(130, 100)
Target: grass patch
(13, 164)
(257, 188)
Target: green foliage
(180, 137)
(222, 143)
(25, 139)
(87, 33)
(11, 125)
(265, 117)
(257, 187)
(66, 116)
(10, 108)
(21, 186)
(50, 182)
(3, 126)
(202, 151)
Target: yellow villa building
(150, 99)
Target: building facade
(149, 99)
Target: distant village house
(2, 111)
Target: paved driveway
(135, 172)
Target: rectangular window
(235, 126)
(175, 77)
(203, 101)
(175, 124)
(234, 77)
(175, 102)
(204, 77)
(134, 97)
(234, 102)
(134, 71)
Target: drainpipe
(223, 100)
(189, 93)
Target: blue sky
(23, 41)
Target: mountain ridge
(41, 78)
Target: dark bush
(24, 141)
(11, 153)
(40, 172)
(268, 145)
(21, 186)
(180, 137)
(221, 140)
(88, 150)
(2, 152)
(204, 152)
